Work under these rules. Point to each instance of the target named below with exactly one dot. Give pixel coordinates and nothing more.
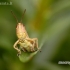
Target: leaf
(26, 56)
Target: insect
(26, 44)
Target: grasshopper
(26, 44)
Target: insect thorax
(21, 40)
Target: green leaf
(26, 56)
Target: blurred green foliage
(49, 21)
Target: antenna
(22, 15)
(14, 15)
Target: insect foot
(19, 52)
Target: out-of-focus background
(49, 21)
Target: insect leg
(16, 48)
(35, 43)
(23, 49)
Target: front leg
(16, 48)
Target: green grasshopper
(26, 44)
